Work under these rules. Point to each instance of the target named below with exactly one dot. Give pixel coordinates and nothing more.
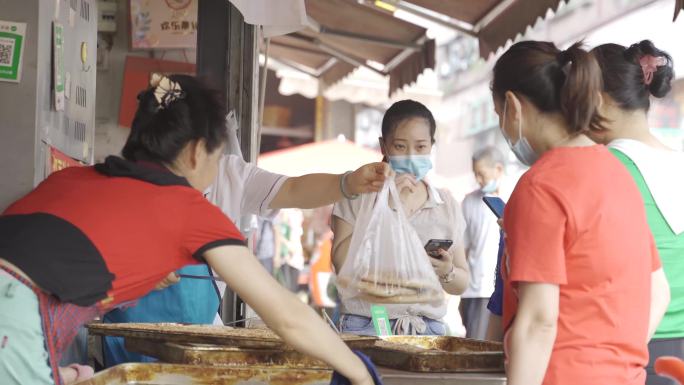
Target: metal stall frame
(227, 56)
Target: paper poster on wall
(58, 65)
(72, 16)
(60, 161)
(67, 85)
(12, 36)
(58, 5)
(167, 24)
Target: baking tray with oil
(209, 334)
(437, 354)
(208, 354)
(172, 374)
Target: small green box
(381, 320)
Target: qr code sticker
(6, 52)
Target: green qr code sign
(381, 320)
(7, 47)
(12, 36)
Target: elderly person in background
(481, 240)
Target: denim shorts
(23, 356)
(360, 325)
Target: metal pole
(227, 57)
(212, 43)
(262, 91)
(357, 62)
(420, 12)
(491, 15)
(368, 39)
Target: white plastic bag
(386, 261)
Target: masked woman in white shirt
(408, 132)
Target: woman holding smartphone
(581, 265)
(408, 132)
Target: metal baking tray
(170, 374)
(209, 334)
(213, 355)
(437, 354)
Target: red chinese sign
(60, 160)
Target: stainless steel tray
(437, 354)
(213, 355)
(209, 334)
(170, 374)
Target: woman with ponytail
(579, 257)
(631, 75)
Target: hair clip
(566, 68)
(564, 62)
(166, 91)
(649, 65)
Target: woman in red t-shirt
(579, 254)
(89, 239)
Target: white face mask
(522, 149)
(491, 187)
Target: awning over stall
(493, 22)
(341, 35)
(332, 156)
(361, 86)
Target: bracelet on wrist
(448, 277)
(343, 181)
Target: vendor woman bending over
(89, 239)
(408, 133)
(240, 189)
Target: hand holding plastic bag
(386, 262)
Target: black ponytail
(623, 77)
(567, 82)
(579, 95)
(159, 133)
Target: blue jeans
(360, 325)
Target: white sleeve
(347, 210)
(242, 189)
(260, 187)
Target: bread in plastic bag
(386, 261)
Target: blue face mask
(418, 165)
(522, 149)
(490, 187)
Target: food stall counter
(400, 377)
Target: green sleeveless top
(671, 249)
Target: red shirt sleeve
(535, 223)
(208, 227)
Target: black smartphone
(495, 204)
(435, 244)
